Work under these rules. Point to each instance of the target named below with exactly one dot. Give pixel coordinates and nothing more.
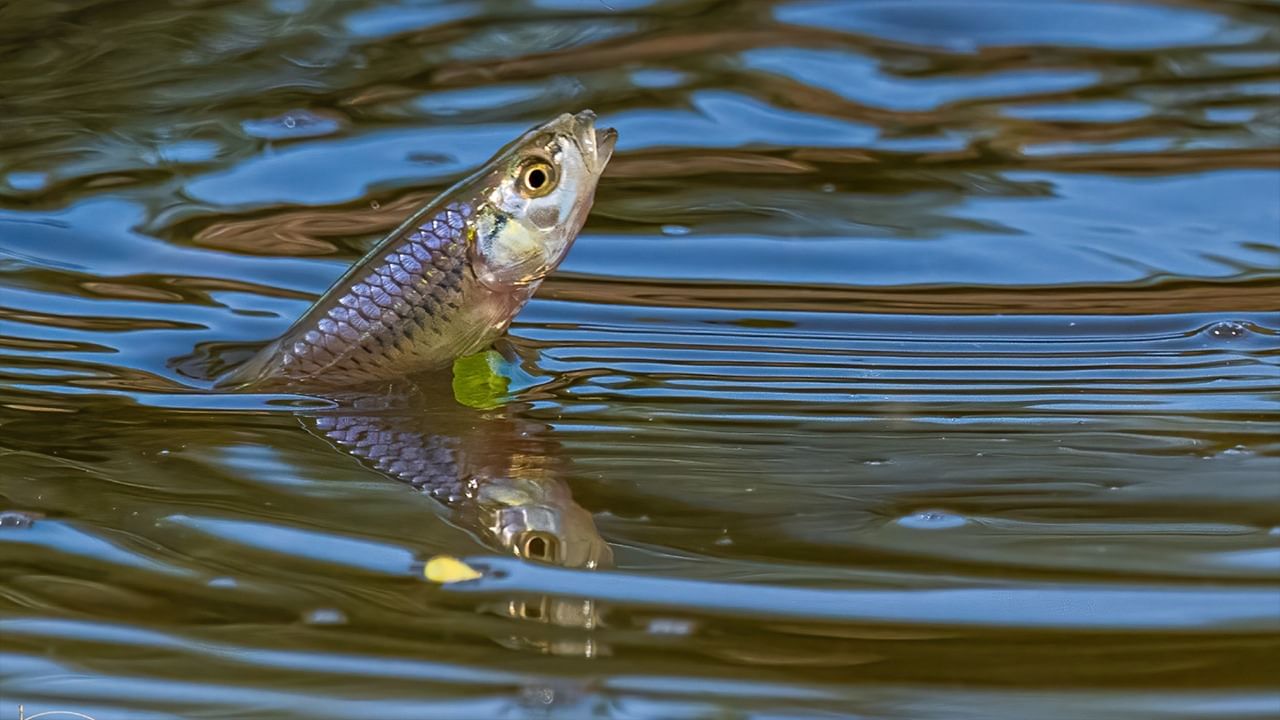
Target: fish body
(448, 281)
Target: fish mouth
(596, 143)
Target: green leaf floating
(479, 381)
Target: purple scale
(400, 276)
(379, 296)
(301, 349)
(358, 322)
(454, 219)
(409, 264)
(369, 310)
(327, 326)
(361, 289)
(387, 281)
(313, 337)
(429, 237)
(420, 251)
(348, 333)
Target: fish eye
(536, 546)
(537, 178)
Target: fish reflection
(496, 473)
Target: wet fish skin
(450, 279)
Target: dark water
(921, 359)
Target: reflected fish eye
(537, 178)
(536, 546)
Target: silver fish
(448, 281)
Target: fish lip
(597, 143)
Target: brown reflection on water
(306, 232)
(1145, 298)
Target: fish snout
(596, 143)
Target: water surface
(919, 360)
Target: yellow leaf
(444, 569)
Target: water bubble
(931, 520)
(375, 204)
(724, 540)
(675, 230)
(293, 124)
(222, 582)
(538, 695)
(17, 519)
(1227, 330)
(828, 187)
(325, 616)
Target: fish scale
(393, 304)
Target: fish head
(536, 519)
(534, 198)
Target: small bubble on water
(293, 124)
(931, 520)
(538, 695)
(16, 519)
(325, 616)
(1227, 330)
(828, 187)
(724, 540)
(222, 582)
(675, 230)
(375, 205)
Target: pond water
(920, 359)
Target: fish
(449, 280)
(495, 471)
